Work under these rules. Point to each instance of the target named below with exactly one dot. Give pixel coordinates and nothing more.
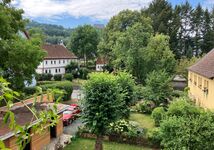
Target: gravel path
(73, 128)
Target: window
(59, 70)
(49, 71)
(195, 79)
(56, 70)
(46, 71)
(46, 62)
(59, 61)
(206, 87)
(63, 61)
(190, 78)
(51, 62)
(54, 62)
(200, 82)
(53, 132)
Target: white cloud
(208, 4)
(95, 9)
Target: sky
(71, 13)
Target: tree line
(191, 30)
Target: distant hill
(54, 33)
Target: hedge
(46, 82)
(44, 77)
(68, 76)
(63, 85)
(29, 90)
(57, 77)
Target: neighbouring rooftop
(24, 116)
(58, 52)
(205, 66)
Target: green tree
(160, 11)
(83, 42)
(197, 28)
(183, 64)
(127, 88)
(184, 39)
(19, 57)
(101, 104)
(158, 87)
(208, 32)
(37, 33)
(159, 56)
(117, 25)
(130, 48)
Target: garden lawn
(78, 82)
(145, 121)
(88, 144)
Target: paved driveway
(73, 128)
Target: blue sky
(71, 13)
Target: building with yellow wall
(201, 81)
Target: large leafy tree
(159, 55)
(129, 50)
(101, 104)
(117, 25)
(84, 41)
(19, 57)
(158, 87)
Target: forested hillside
(53, 33)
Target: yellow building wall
(197, 84)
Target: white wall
(54, 66)
(99, 67)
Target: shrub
(193, 132)
(75, 73)
(66, 86)
(68, 76)
(45, 82)
(30, 90)
(154, 136)
(83, 73)
(72, 66)
(182, 107)
(158, 114)
(44, 77)
(58, 77)
(177, 93)
(126, 86)
(146, 107)
(158, 87)
(123, 127)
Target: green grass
(78, 82)
(145, 121)
(88, 144)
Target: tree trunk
(99, 143)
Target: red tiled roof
(58, 52)
(101, 61)
(205, 66)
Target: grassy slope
(145, 121)
(87, 144)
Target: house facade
(100, 64)
(201, 81)
(58, 57)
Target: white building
(100, 63)
(58, 57)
